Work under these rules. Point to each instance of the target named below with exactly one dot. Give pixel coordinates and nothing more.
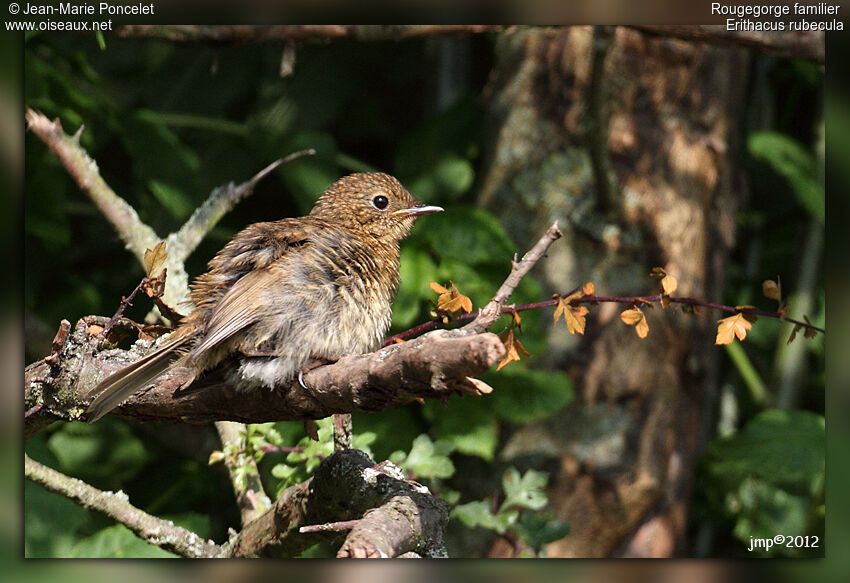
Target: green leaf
(427, 459)
(537, 529)
(524, 491)
(763, 510)
(416, 270)
(433, 159)
(522, 395)
(783, 448)
(118, 542)
(172, 199)
(791, 161)
(470, 235)
(50, 522)
(478, 513)
(106, 453)
(469, 424)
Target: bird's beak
(419, 209)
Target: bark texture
(627, 140)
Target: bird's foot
(315, 363)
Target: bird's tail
(117, 387)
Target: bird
(284, 295)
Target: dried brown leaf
(478, 386)
(155, 259)
(154, 287)
(559, 310)
(794, 333)
(810, 332)
(437, 288)
(588, 289)
(771, 289)
(513, 346)
(451, 301)
(732, 327)
(576, 319)
(634, 316)
(669, 284)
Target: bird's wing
(228, 292)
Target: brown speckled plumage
(282, 294)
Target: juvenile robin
(282, 295)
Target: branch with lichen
(432, 366)
(385, 514)
(807, 45)
(162, 533)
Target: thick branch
(220, 202)
(802, 44)
(398, 516)
(493, 310)
(806, 44)
(162, 533)
(244, 473)
(432, 366)
(136, 235)
(284, 34)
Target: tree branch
(806, 44)
(493, 310)
(396, 516)
(803, 44)
(284, 34)
(432, 366)
(220, 202)
(136, 235)
(244, 473)
(162, 533)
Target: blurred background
(649, 151)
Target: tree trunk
(629, 141)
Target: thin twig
(162, 533)
(33, 410)
(491, 312)
(342, 430)
(340, 526)
(434, 324)
(244, 473)
(128, 301)
(219, 203)
(135, 234)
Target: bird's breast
(333, 298)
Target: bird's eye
(380, 202)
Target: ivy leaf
(634, 316)
(478, 513)
(733, 327)
(428, 459)
(524, 491)
(513, 346)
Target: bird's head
(373, 202)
